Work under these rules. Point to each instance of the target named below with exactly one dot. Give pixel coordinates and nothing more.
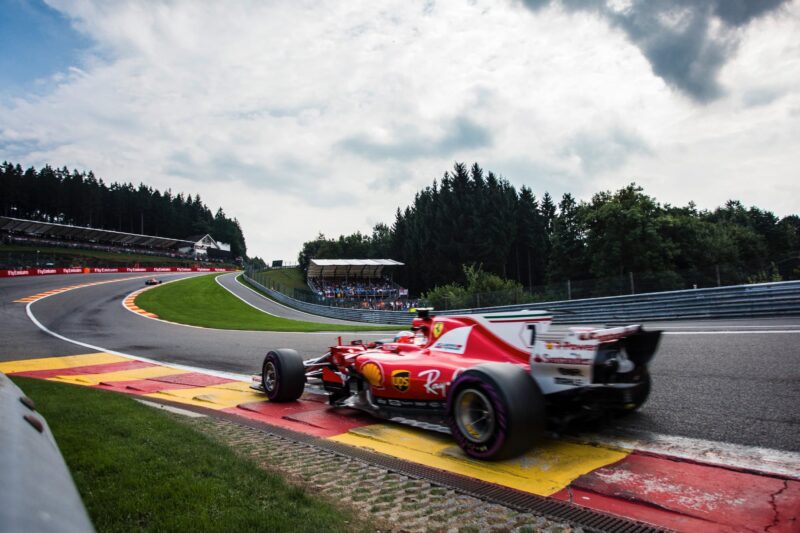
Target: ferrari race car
(153, 281)
(494, 381)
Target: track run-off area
(723, 405)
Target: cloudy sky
(304, 117)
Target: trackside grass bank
(287, 278)
(200, 301)
(140, 469)
(240, 279)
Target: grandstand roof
(350, 268)
(50, 229)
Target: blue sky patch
(36, 41)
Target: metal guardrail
(738, 301)
(357, 315)
(37, 493)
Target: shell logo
(373, 374)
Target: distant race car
(153, 281)
(494, 381)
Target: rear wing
(641, 346)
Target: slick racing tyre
(495, 411)
(283, 375)
(638, 396)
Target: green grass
(287, 278)
(200, 301)
(138, 469)
(250, 286)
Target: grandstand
(356, 283)
(36, 233)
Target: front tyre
(283, 375)
(495, 411)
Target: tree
(471, 216)
(80, 198)
(530, 248)
(568, 256)
(622, 233)
(480, 288)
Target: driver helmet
(404, 337)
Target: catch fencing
(739, 301)
(103, 270)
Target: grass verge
(287, 278)
(200, 301)
(139, 469)
(240, 279)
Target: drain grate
(588, 519)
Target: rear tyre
(639, 395)
(495, 411)
(283, 375)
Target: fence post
(632, 288)
(719, 281)
(477, 299)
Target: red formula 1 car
(494, 381)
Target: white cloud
(300, 117)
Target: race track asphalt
(272, 307)
(734, 381)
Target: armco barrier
(739, 301)
(357, 315)
(37, 492)
(101, 270)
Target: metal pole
(719, 281)
(569, 290)
(632, 289)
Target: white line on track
(139, 291)
(236, 278)
(758, 459)
(158, 319)
(242, 299)
(753, 458)
(171, 409)
(261, 295)
(218, 373)
(383, 334)
(709, 326)
(765, 328)
(723, 332)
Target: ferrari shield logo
(437, 329)
(401, 379)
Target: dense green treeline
(474, 217)
(79, 198)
